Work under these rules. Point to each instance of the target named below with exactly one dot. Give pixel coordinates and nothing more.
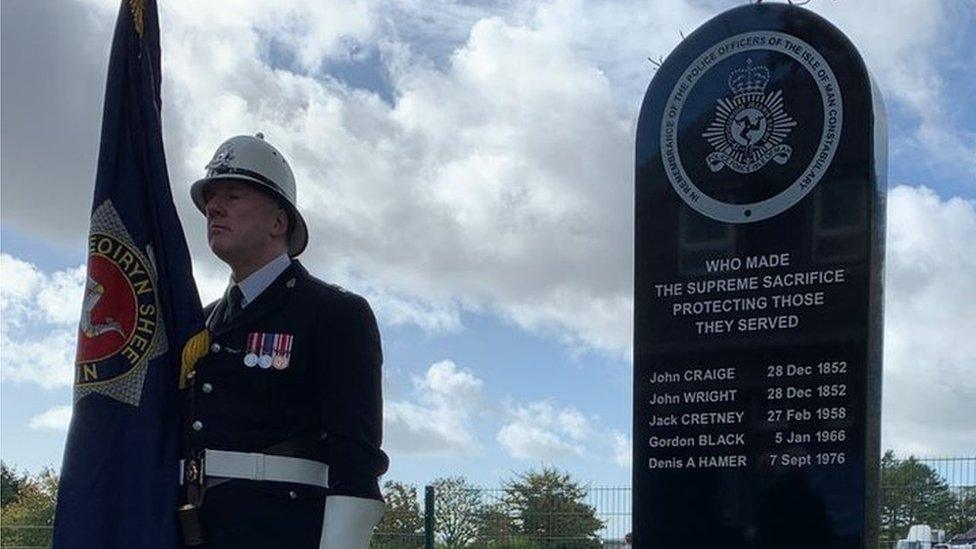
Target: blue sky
(468, 168)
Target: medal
(268, 349)
(253, 348)
(282, 350)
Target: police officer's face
(242, 221)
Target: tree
(494, 526)
(913, 493)
(550, 508)
(11, 484)
(457, 513)
(27, 520)
(964, 515)
(403, 524)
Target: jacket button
(197, 425)
(215, 348)
(207, 388)
(292, 494)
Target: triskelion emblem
(750, 127)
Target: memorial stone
(760, 177)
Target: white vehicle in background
(921, 536)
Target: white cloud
(20, 281)
(60, 297)
(46, 360)
(930, 352)
(449, 408)
(211, 280)
(54, 419)
(470, 197)
(446, 383)
(38, 318)
(542, 430)
(909, 51)
(498, 181)
(54, 59)
(400, 309)
(440, 420)
(622, 451)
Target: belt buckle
(193, 469)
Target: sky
(468, 167)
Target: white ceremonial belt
(252, 466)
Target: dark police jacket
(330, 386)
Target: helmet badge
(220, 162)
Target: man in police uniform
(283, 417)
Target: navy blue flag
(141, 322)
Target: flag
(141, 321)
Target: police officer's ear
(282, 222)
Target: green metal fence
(940, 492)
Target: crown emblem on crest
(749, 79)
(220, 162)
(750, 127)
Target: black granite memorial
(760, 177)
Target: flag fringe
(137, 8)
(194, 349)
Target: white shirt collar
(258, 281)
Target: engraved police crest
(121, 329)
(754, 99)
(749, 128)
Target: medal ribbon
(252, 342)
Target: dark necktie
(234, 298)
(232, 307)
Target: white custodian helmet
(251, 158)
